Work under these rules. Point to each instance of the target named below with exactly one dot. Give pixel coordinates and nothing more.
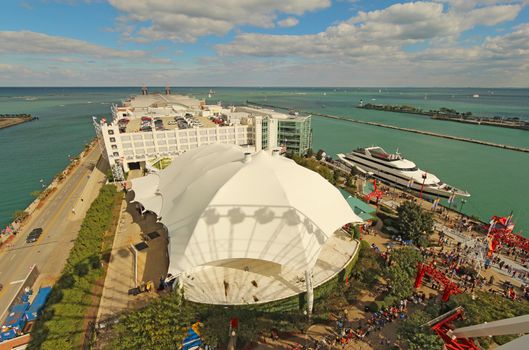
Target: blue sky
(264, 43)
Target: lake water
(497, 179)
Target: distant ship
(398, 171)
(475, 96)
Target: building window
(116, 154)
(114, 147)
(111, 132)
(112, 139)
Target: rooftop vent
(247, 157)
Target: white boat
(401, 172)
(475, 96)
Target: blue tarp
(38, 303)
(192, 340)
(9, 334)
(17, 318)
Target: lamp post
(306, 313)
(463, 201)
(424, 176)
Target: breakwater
(387, 126)
(448, 114)
(7, 120)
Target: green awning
(360, 208)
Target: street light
(463, 201)
(424, 176)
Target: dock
(421, 132)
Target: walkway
(152, 262)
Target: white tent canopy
(219, 204)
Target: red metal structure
(449, 286)
(500, 232)
(443, 326)
(376, 193)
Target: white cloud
(288, 22)
(380, 39)
(38, 43)
(185, 21)
(373, 32)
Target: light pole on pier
(424, 176)
(463, 201)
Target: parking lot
(151, 123)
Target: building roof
(219, 204)
(360, 208)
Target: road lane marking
(15, 282)
(12, 257)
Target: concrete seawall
(422, 132)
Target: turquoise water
(497, 179)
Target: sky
(437, 43)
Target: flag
(435, 203)
(509, 218)
(451, 198)
(410, 182)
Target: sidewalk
(152, 263)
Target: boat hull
(399, 180)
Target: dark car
(34, 235)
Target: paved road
(60, 227)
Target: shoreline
(46, 192)
(7, 121)
(416, 131)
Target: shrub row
(61, 325)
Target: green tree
(310, 153)
(415, 223)
(36, 193)
(336, 177)
(20, 215)
(319, 155)
(161, 325)
(354, 171)
(487, 307)
(402, 270)
(416, 336)
(368, 269)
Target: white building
(149, 127)
(247, 228)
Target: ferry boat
(401, 172)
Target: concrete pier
(422, 132)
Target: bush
(390, 300)
(61, 325)
(20, 215)
(376, 306)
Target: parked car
(34, 235)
